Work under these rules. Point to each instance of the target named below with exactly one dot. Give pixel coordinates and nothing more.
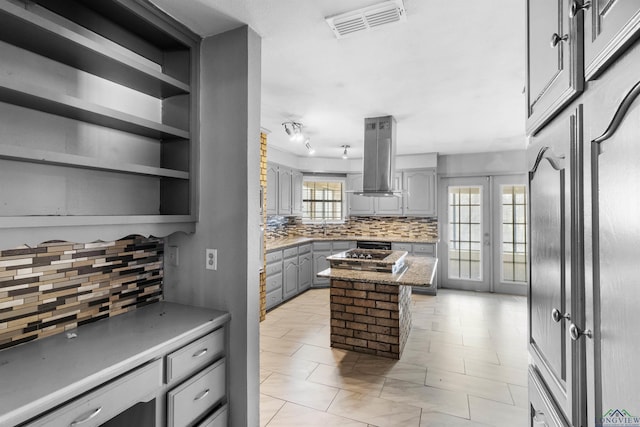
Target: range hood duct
(379, 160)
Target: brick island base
(370, 318)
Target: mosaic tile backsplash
(58, 286)
(354, 226)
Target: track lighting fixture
(344, 153)
(294, 130)
(310, 149)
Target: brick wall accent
(370, 318)
(263, 184)
(58, 286)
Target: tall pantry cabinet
(585, 215)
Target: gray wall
(229, 166)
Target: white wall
(229, 165)
(481, 164)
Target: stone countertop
(286, 242)
(45, 373)
(420, 271)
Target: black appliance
(364, 244)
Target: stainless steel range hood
(379, 160)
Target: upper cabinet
(609, 27)
(98, 119)
(554, 67)
(418, 196)
(284, 191)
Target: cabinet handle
(576, 332)
(199, 353)
(201, 395)
(556, 39)
(538, 419)
(79, 421)
(576, 8)
(557, 316)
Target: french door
(483, 238)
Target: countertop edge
(296, 241)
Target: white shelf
(47, 101)
(10, 152)
(29, 31)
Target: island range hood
(379, 160)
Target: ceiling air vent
(367, 18)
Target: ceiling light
(310, 149)
(344, 153)
(294, 130)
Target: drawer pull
(201, 395)
(86, 418)
(200, 353)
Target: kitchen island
(371, 310)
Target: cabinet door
(272, 190)
(358, 205)
(320, 263)
(609, 27)
(290, 278)
(551, 234)
(554, 68)
(390, 205)
(305, 272)
(612, 314)
(296, 193)
(420, 192)
(284, 191)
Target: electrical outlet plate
(211, 261)
(172, 256)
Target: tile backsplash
(355, 226)
(58, 286)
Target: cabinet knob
(557, 316)
(556, 39)
(576, 332)
(576, 7)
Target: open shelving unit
(138, 147)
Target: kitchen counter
(43, 374)
(418, 271)
(286, 242)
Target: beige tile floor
(465, 364)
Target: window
(514, 233)
(323, 199)
(465, 231)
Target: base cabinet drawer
(544, 412)
(196, 396)
(196, 355)
(420, 249)
(107, 401)
(217, 419)
(274, 298)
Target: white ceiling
(452, 75)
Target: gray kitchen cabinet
(297, 179)
(321, 250)
(305, 267)
(118, 162)
(544, 411)
(390, 205)
(554, 66)
(284, 191)
(290, 273)
(552, 288)
(609, 329)
(358, 205)
(274, 278)
(218, 419)
(609, 27)
(419, 187)
(272, 189)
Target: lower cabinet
(290, 273)
(274, 278)
(321, 250)
(107, 401)
(543, 408)
(305, 267)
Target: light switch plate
(172, 256)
